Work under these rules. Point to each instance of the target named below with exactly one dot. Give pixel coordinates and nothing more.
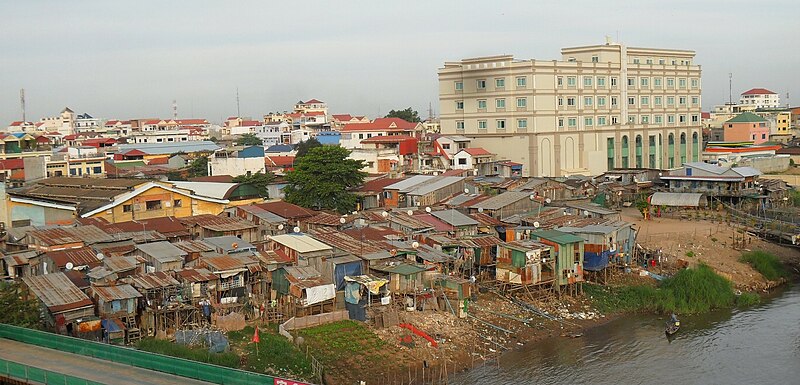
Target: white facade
(760, 98)
(273, 133)
(300, 135)
(235, 166)
(160, 136)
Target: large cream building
(600, 107)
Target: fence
(127, 356)
(27, 373)
(315, 320)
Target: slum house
(610, 242)
(302, 249)
(63, 303)
(548, 188)
(171, 228)
(268, 222)
(194, 249)
(61, 238)
(295, 215)
(329, 220)
(408, 224)
(365, 252)
(435, 260)
(236, 273)
(460, 225)
(230, 245)
(405, 277)
(168, 304)
(568, 250)
(422, 190)
(84, 258)
(117, 267)
(523, 263)
(483, 250)
(199, 281)
(311, 293)
(714, 181)
(206, 226)
(79, 279)
(362, 291)
(371, 193)
(590, 210)
(160, 256)
(114, 249)
(117, 306)
(506, 204)
(17, 265)
(456, 290)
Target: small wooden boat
(672, 326)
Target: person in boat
(673, 318)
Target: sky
(122, 61)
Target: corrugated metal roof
(151, 281)
(232, 262)
(89, 234)
(408, 183)
(676, 199)
(196, 275)
(209, 189)
(433, 185)
(170, 148)
(122, 264)
(84, 256)
(455, 218)
(162, 251)
(116, 292)
(57, 292)
(300, 242)
(262, 214)
(557, 236)
(193, 246)
(499, 201)
(226, 243)
(592, 208)
(218, 223)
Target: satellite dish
(234, 245)
(296, 229)
(385, 214)
(280, 227)
(69, 266)
(355, 212)
(536, 224)
(548, 200)
(427, 209)
(586, 213)
(466, 191)
(100, 256)
(342, 220)
(410, 212)
(393, 252)
(480, 209)
(532, 197)
(415, 244)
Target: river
(759, 345)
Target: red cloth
(255, 336)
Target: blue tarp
(595, 261)
(344, 269)
(352, 293)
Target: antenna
(730, 87)
(22, 103)
(238, 112)
(174, 109)
(430, 111)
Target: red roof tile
(388, 139)
(476, 151)
(314, 101)
(758, 91)
(342, 117)
(12, 164)
(287, 210)
(377, 185)
(163, 160)
(382, 124)
(279, 160)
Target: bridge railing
(132, 357)
(29, 374)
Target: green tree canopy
(198, 167)
(249, 140)
(258, 180)
(408, 115)
(303, 147)
(321, 179)
(17, 311)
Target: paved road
(92, 369)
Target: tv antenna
(238, 112)
(730, 87)
(22, 104)
(174, 109)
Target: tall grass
(765, 263)
(195, 354)
(695, 290)
(275, 354)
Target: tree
(175, 175)
(321, 179)
(199, 167)
(408, 115)
(17, 311)
(303, 147)
(249, 140)
(258, 180)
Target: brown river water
(758, 345)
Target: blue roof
(18, 134)
(279, 148)
(329, 137)
(170, 148)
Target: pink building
(746, 127)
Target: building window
(657, 82)
(460, 105)
(571, 101)
(695, 118)
(588, 121)
(682, 100)
(670, 100)
(695, 83)
(763, 136)
(501, 124)
(98, 170)
(613, 82)
(695, 100)
(632, 119)
(645, 119)
(153, 205)
(522, 103)
(682, 82)
(127, 208)
(657, 100)
(500, 103)
(601, 81)
(572, 122)
(645, 82)
(631, 101)
(571, 81)
(644, 100)
(587, 81)
(459, 86)
(601, 101)
(462, 161)
(560, 81)
(522, 124)
(649, 61)
(658, 119)
(631, 82)
(560, 101)
(481, 84)
(560, 122)
(481, 124)
(636, 60)
(481, 104)
(587, 101)
(661, 61)
(459, 125)
(601, 120)
(522, 82)
(500, 83)
(614, 102)
(671, 119)
(595, 59)
(682, 119)
(177, 203)
(670, 82)
(615, 120)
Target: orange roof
(743, 149)
(191, 121)
(342, 117)
(314, 101)
(388, 139)
(382, 124)
(279, 160)
(758, 91)
(477, 151)
(163, 160)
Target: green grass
(276, 354)
(168, 348)
(696, 290)
(765, 263)
(331, 342)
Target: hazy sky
(361, 57)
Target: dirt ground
(710, 242)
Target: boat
(672, 325)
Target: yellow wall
(138, 205)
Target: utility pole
(730, 88)
(22, 103)
(238, 112)
(174, 109)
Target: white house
(760, 98)
(469, 158)
(354, 133)
(274, 133)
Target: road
(88, 368)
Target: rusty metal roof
(228, 262)
(122, 264)
(62, 235)
(157, 280)
(217, 223)
(196, 275)
(57, 292)
(344, 242)
(162, 251)
(193, 246)
(326, 219)
(83, 256)
(116, 292)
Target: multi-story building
(760, 98)
(600, 107)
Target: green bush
(276, 354)
(747, 299)
(690, 254)
(765, 263)
(168, 348)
